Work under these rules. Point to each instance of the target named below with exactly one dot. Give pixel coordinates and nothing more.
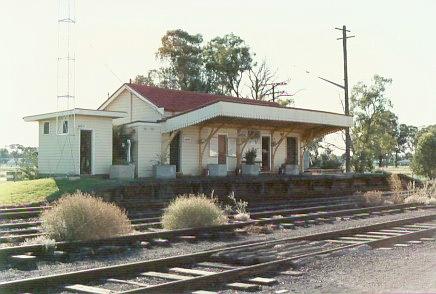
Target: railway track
(296, 217)
(144, 224)
(35, 211)
(13, 232)
(237, 267)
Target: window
(291, 150)
(65, 127)
(46, 128)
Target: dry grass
(425, 195)
(242, 217)
(80, 216)
(193, 211)
(373, 198)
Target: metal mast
(66, 99)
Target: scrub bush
(191, 211)
(80, 216)
(425, 195)
(373, 198)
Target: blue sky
(393, 38)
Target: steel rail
(170, 234)
(21, 235)
(87, 275)
(17, 213)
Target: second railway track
(237, 267)
(297, 217)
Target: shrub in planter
(80, 216)
(191, 211)
(250, 168)
(250, 156)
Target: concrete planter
(217, 170)
(125, 172)
(292, 169)
(165, 171)
(250, 169)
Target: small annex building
(190, 130)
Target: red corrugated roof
(178, 101)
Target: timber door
(85, 152)
(222, 149)
(175, 152)
(266, 154)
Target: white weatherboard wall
(149, 144)
(60, 154)
(136, 109)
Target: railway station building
(195, 133)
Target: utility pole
(347, 107)
(273, 89)
(345, 88)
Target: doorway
(222, 149)
(175, 152)
(85, 152)
(291, 150)
(266, 153)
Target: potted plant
(163, 170)
(250, 167)
(289, 168)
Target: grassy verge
(47, 189)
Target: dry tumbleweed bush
(80, 216)
(373, 198)
(193, 211)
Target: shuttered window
(291, 150)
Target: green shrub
(250, 156)
(191, 211)
(80, 216)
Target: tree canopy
(424, 159)
(224, 65)
(373, 133)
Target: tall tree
(424, 159)
(182, 54)
(4, 155)
(260, 77)
(227, 59)
(405, 137)
(373, 133)
(27, 160)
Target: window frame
(67, 127)
(43, 128)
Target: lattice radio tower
(66, 99)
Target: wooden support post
(203, 144)
(200, 155)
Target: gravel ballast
(48, 268)
(399, 270)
